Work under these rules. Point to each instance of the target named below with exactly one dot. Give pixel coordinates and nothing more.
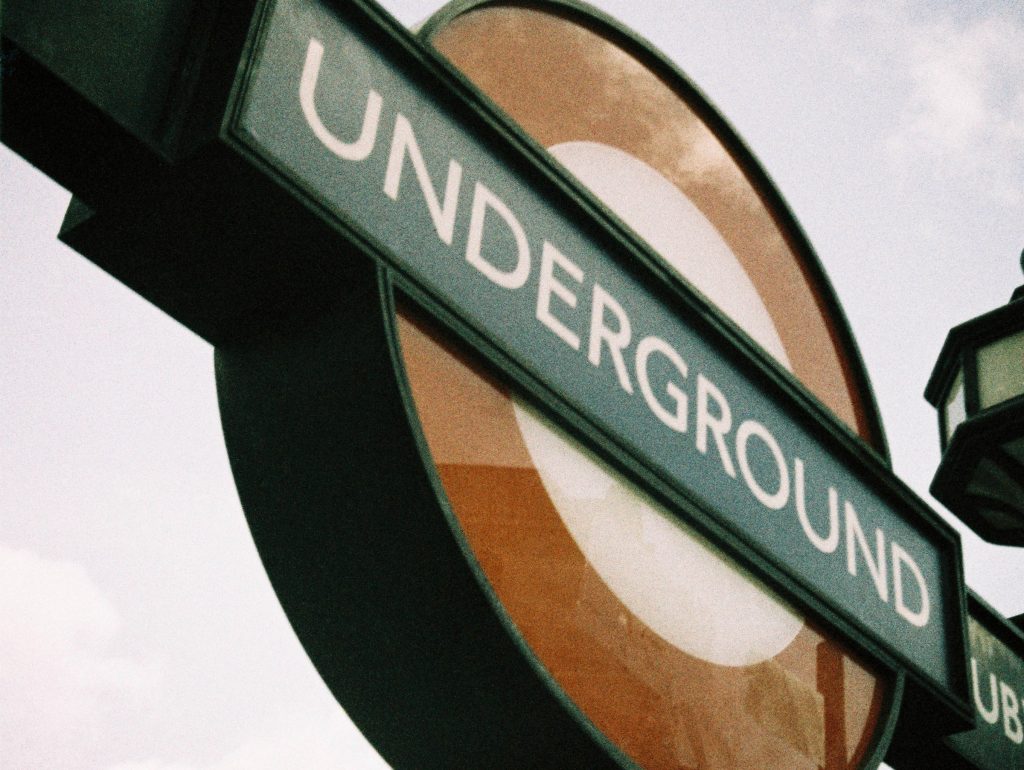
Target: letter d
(900, 558)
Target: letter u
(363, 146)
(990, 715)
(829, 543)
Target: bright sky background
(139, 629)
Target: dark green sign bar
(997, 689)
(571, 306)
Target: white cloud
(965, 112)
(835, 15)
(955, 78)
(967, 82)
(57, 667)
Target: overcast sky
(139, 630)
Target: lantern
(978, 389)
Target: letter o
(773, 500)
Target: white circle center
(676, 582)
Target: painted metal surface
(677, 654)
(721, 675)
(997, 688)
(645, 364)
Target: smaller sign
(997, 689)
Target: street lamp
(977, 387)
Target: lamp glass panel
(1001, 370)
(956, 404)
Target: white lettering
(826, 544)
(675, 420)
(1004, 698)
(991, 714)
(505, 261)
(772, 500)
(876, 565)
(616, 339)
(549, 285)
(719, 424)
(363, 146)
(404, 143)
(1011, 713)
(484, 199)
(899, 558)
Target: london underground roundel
(478, 584)
(669, 648)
